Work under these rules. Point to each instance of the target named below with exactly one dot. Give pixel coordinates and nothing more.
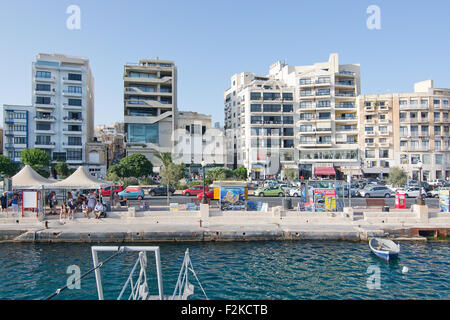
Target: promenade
(213, 225)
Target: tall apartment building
(63, 101)
(195, 140)
(1, 140)
(301, 117)
(150, 107)
(402, 129)
(17, 131)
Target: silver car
(376, 192)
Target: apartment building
(150, 107)
(1, 140)
(195, 140)
(402, 129)
(114, 139)
(63, 107)
(302, 117)
(17, 133)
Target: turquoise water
(238, 270)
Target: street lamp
(419, 198)
(204, 201)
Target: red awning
(325, 172)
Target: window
(370, 154)
(146, 133)
(413, 115)
(43, 140)
(426, 159)
(324, 115)
(288, 143)
(20, 115)
(437, 130)
(141, 75)
(425, 130)
(76, 128)
(413, 102)
(323, 104)
(43, 87)
(402, 115)
(256, 120)
(43, 126)
(415, 158)
(74, 141)
(438, 159)
(272, 108)
(75, 76)
(403, 143)
(403, 102)
(271, 96)
(255, 108)
(255, 131)
(43, 74)
(75, 102)
(74, 89)
(288, 108)
(437, 116)
(323, 92)
(43, 100)
(383, 129)
(288, 120)
(424, 102)
(437, 144)
(75, 155)
(425, 144)
(404, 159)
(289, 132)
(288, 96)
(20, 140)
(255, 96)
(369, 140)
(436, 102)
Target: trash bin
(385, 209)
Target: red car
(106, 192)
(209, 195)
(194, 191)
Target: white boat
(384, 248)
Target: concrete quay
(213, 225)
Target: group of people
(87, 204)
(5, 202)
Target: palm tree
(166, 160)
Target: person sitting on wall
(98, 210)
(85, 209)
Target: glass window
(75, 76)
(255, 108)
(426, 159)
(438, 159)
(288, 108)
(43, 74)
(74, 89)
(75, 102)
(43, 87)
(43, 100)
(255, 96)
(146, 133)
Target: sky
(212, 40)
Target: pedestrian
(91, 201)
(4, 202)
(15, 203)
(63, 211)
(71, 205)
(53, 201)
(116, 199)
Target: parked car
(414, 192)
(106, 192)
(194, 191)
(376, 192)
(270, 191)
(160, 191)
(433, 193)
(437, 182)
(209, 194)
(295, 192)
(132, 193)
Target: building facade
(195, 141)
(402, 129)
(17, 131)
(114, 139)
(299, 117)
(150, 107)
(63, 107)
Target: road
(277, 201)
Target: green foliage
(135, 165)
(240, 173)
(146, 181)
(8, 167)
(62, 169)
(291, 174)
(38, 159)
(194, 183)
(172, 174)
(397, 177)
(218, 174)
(112, 176)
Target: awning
(325, 172)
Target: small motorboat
(384, 249)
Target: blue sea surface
(236, 270)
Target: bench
(375, 203)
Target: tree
(240, 173)
(62, 169)
(397, 177)
(135, 165)
(38, 159)
(8, 167)
(171, 173)
(219, 174)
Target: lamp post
(204, 201)
(419, 198)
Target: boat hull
(390, 252)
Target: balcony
(45, 119)
(384, 145)
(345, 94)
(346, 73)
(413, 107)
(370, 133)
(383, 121)
(72, 132)
(71, 107)
(45, 106)
(370, 145)
(383, 133)
(71, 81)
(345, 106)
(369, 121)
(346, 119)
(344, 84)
(71, 146)
(156, 80)
(42, 79)
(75, 120)
(45, 93)
(67, 93)
(369, 109)
(44, 145)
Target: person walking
(15, 203)
(63, 211)
(53, 201)
(4, 202)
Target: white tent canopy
(27, 178)
(80, 179)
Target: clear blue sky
(211, 40)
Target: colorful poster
(232, 198)
(444, 200)
(254, 205)
(325, 199)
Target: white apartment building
(63, 107)
(302, 117)
(150, 107)
(17, 131)
(195, 141)
(405, 128)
